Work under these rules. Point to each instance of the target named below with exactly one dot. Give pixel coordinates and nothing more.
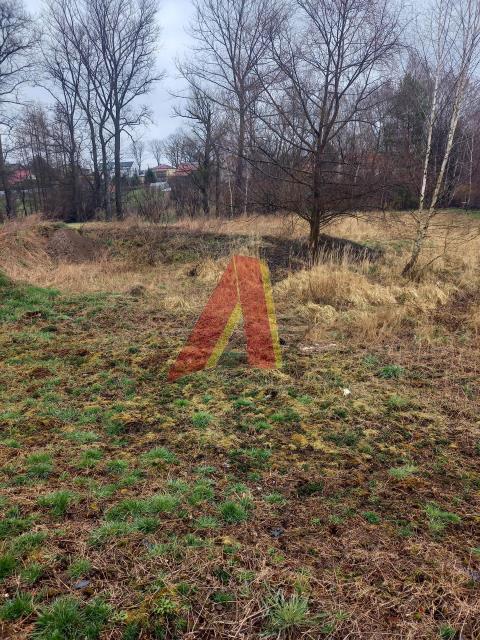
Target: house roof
(185, 168)
(19, 175)
(162, 167)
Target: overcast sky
(174, 17)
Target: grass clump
(405, 471)
(25, 543)
(58, 502)
(67, 619)
(160, 454)
(391, 371)
(20, 606)
(201, 419)
(8, 564)
(32, 573)
(233, 512)
(110, 530)
(39, 466)
(438, 519)
(79, 568)
(287, 614)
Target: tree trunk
(316, 210)
(72, 160)
(106, 177)
(217, 185)
(97, 181)
(424, 225)
(239, 199)
(118, 172)
(9, 212)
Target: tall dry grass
(367, 300)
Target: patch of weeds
(261, 425)
(222, 597)
(247, 459)
(13, 525)
(243, 402)
(438, 520)
(8, 564)
(110, 530)
(162, 503)
(206, 522)
(405, 471)
(371, 517)
(391, 371)
(287, 614)
(128, 508)
(39, 465)
(397, 403)
(178, 487)
(181, 402)
(25, 543)
(370, 361)
(160, 454)
(165, 607)
(275, 498)
(90, 458)
(67, 618)
(447, 633)
(83, 437)
(11, 442)
(58, 502)
(201, 492)
(205, 470)
(146, 524)
(345, 439)
(20, 606)
(286, 416)
(132, 631)
(117, 467)
(201, 419)
(32, 573)
(79, 568)
(340, 412)
(406, 529)
(233, 512)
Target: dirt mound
(67, 245)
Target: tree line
(317, 107)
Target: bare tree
(137, 148)
(202, 113)
(178, 147)
(156, 149)
(328, 66)
(229, 47)
(16, 42)
(456, 46)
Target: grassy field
(335, 498)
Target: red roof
(19, 175)
(185, 169)
(162, 167)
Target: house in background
(163, 171)
(17, 175)
(185, 169)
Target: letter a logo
(244, 289)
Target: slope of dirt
(67, 245)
